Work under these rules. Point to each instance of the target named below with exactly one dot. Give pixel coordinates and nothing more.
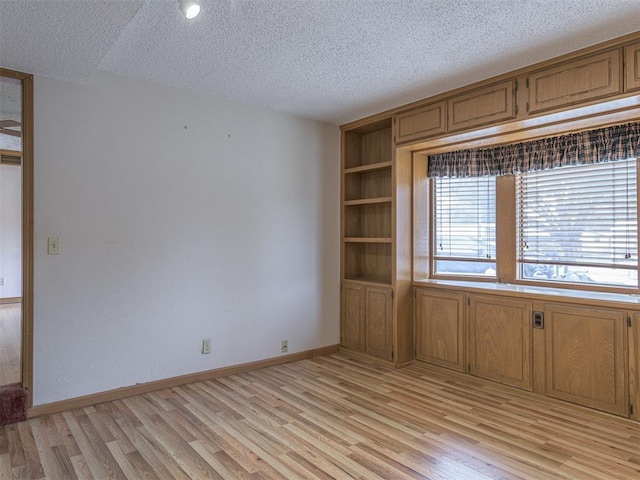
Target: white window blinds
(464, 212)
(579, 224)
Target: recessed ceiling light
(190, 8)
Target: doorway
(16, 226)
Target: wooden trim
(403, 257)
(343, 157)
(506, 228)
(140, 388)
(5, 72)
(318, 352)
(9, 300)
(421, 218)
(368, 357)
(27, 234)
(27, 224)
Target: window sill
(631, 301)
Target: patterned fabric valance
(594, 146)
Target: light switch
(54, 246)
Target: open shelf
(368, 262)
(371, 220)
(367, 202)
(368, 145)
(368, 184)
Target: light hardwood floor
(10, 339)
(330, 417)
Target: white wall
(180, 217)
(11, 231)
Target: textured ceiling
(330, 60)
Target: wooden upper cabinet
(440, 328)
(421, 122)
(352, 316)
(483, 106)
(500, 340)
(575, 82)
(378, 322)
(632, 67)
(586, 356)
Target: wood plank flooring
(332, 417)
(10, 340)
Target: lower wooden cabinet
(439, 324)
(586, 356)
(367, 319)
(500, 340)
(352, 316)
(377, 321)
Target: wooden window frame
(432, 240)
(506, 241)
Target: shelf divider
(367, 201)
(368, 168)
(367, 239)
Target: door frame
(27, 226)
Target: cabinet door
(352, 316)
(575, 82)
(378, 322)
(439, 320)
(500, 340)
(585, 356)
(422, 122)
(632, 67)
(484, 106)
(634, 366)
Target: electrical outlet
(206, 346)
(53, 246)
(284, 346)
(1, 280)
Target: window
(464, 227)
(579, 224)
(551, 211)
